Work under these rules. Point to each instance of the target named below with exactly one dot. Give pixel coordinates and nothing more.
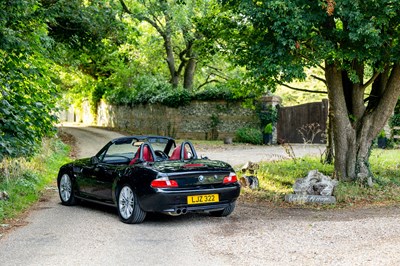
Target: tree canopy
(125, 51)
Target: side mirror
(94, 160)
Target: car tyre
(129, 210)
(65, 190)
(225, 212)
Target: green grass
(277, 178)
(24, 181)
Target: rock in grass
(310, 199)
(314, 188)
(315, 183)
(4, 195)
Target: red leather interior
(176, 154)
(146, 155)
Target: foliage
(215, 93)
(27, 82)
(24, 181)
(279, 40)
(105, 52)
(395, 119)
(249, 135)
(28, 103)
(277, 178)
(268, 128)
(173, 22)
(85, 33)
(147, 89)
(269, 115)
(382, 134)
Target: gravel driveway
(253, 235)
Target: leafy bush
(214, 93)
(249, 135)
(148, 89)
(268, 116)
(28, 103)
(173, 98)
(395, 120)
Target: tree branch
(207, 82)
(219, 72)
(318, 78)
(220, 76)
(371, 80)
(125, 7)
(298, 89)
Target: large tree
(174, 20)
(356, 43)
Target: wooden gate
(304, 123)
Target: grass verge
(277, 178)
(24, 181)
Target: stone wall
(199, 120)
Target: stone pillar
(266, 102)
(270, 100)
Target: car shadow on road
(153, 218)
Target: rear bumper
(169, 201)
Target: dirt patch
(69, 140)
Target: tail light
(231, 178)
(163, 182)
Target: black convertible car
(140, 174)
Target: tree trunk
(354, 125)
(170, 60)
(329, 139)
(188, 76)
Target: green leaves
(278, 39)
(27, 104)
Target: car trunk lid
(196, 173)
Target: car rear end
(200, 186)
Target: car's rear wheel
(65, 190)
(129, 210)
(225, 212)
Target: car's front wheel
(225, 212)
(129, 210)
(65, 190)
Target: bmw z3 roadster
(142, 174)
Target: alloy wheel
(65, 187)
(126, 202)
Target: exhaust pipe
(178, 212)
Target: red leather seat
(146, 155)
(176, 154)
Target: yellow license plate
(199, 199)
